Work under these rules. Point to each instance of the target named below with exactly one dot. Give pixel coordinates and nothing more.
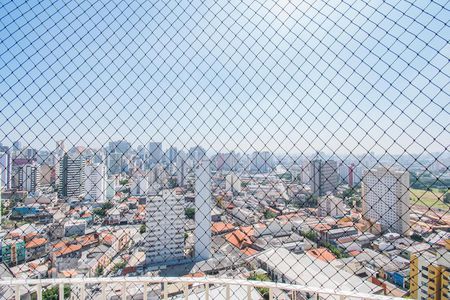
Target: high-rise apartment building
(203, 205)
(330, 205)
(95, 182)
(429, 276)
(164, 240)
(116, 163)
(351, 174)
(155, 153)
(385, 198)
(25, 175)
(181, 170)
(324, 177)
(233, 183)
(261, 162)
(71, 176)
(17, 146)
(5, 170)
(171, 155)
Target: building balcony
(148, 288)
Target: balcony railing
(148, 288)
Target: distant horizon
(210, 151)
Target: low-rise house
(75, 228)
(94, 261)
(36, 248)
(275, 228)
(333, 234)
(65, 256)
(284, 266)
(246, 216)
(322, 254)
(35, 269)
(293, 242)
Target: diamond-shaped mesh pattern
(304, 142)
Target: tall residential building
(227, 161)
(351, 171)
(324, 177)
(95, 182)
(31, 153)
(60, 149)
(233, 183)
(140, 184)
(119, 147)
(181, 171)
(429, 276)
(261, 162)
(110, 188)
(71, 176)
(25, 175)
(5, 170)
(13, 252)
(171, 155)
(16, 148)
(116, 163)
(30, 178)
(196, 154)
(155, 153)
(203, 205)
(47, 175)
(164, 240)
(330, 205)
(385, 198)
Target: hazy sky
(342, 76)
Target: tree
(120, 265)
(447, 198)
(53, 293)
(269, 214)
(416, 237)
(260, 277)
(99, 270)
(310, 235)
(99, 212)
(3, 209)
(142, 229)
(189, 213)
(335, 250)
(123, 182)
(172, 183)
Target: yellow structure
(429, 275)
(414, 276)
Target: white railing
(36, 286)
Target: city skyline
(210, 151)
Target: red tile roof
(36, 243)
(221, 227)
(322, 254)
(249, 251)
(238, 239)
(67, 250)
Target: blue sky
(336, 76)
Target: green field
(425, 198)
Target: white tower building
(330, 205)
(164, 240)
(233, 183)
(203, 205)
(385, 195)
(95, 183)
